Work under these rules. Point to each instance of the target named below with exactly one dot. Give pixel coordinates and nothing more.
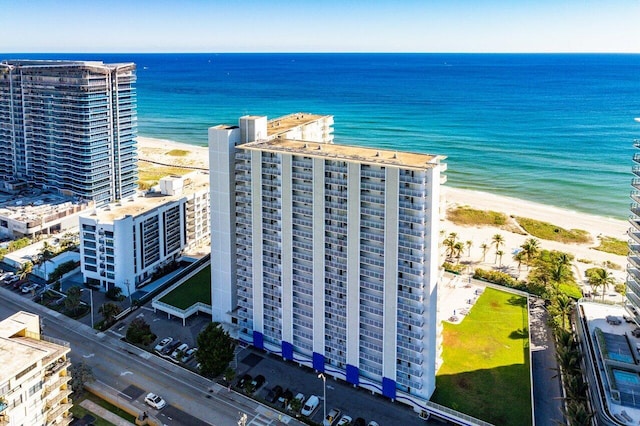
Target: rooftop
(351, 153)
(40, 206)
(194, 182)
(287, 122)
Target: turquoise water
(621, 357)
(551, 128)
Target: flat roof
(135, 206)
(383, 157)
(285, 123)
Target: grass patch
(110, 407)
(485, 370)
(551, 232)
(149, 174)
(196, 289)
(79, 412)
(613, 245)
(464, 215)
(178, 152)
(571, 290)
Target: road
(130, 373)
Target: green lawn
(79, 411)
(196, 289)
(485, 371)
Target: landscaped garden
(195, 289)
(485, 371)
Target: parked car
(163, 344)
(373, 423)
(5, 275)
(154, 401)
(257, 382)
(310, 406)
(12, 280)
(242, 381)
(170, 347)
(332, 417)
(636, 332)
(18, 283)
(359, 422)
(344, 421)
(285, 397)
(179, 351)
(188, 355)
(274, 393)
(28, 287)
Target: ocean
(556, 129)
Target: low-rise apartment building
(34, 378)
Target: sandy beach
(156, 150)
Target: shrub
(62, 269)
(620, 288)
(498, 277)
(452, 267)
(115, 293)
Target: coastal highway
(130, 373)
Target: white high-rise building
(328, 254)
(123, 244)
(34, 378)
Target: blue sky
(320, 26)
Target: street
(131, 373)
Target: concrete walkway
(104, 413)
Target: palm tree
(109, 312)
(519, 257)
(601, 278)
(565, 306)
(485, 248)
(449, 243)
(469, 243)
(499, 254)
(25, 269)
(530, 249)
(458, 248)
(45, 254)
(72, 301)
(497, 240)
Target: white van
(310, 406)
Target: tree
(25, 269)
(469, 243)
(530, 249)
(497, 240)
(140, 332)
(600, 277)
(485, 249)
(45, 254)
(215, 350)
(80, 374)
(519, 257)
(458, 248)
(109, 312)
(564, 304)
(72, 301)
(499, 255)
(449, 243)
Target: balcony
(50, 402)
(59, 411)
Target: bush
(500, 278)
(620, 288)
(140, 332)
(453, 268)
(115, 293)
(613, 245)
(62, 269)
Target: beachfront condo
(69, 126)
(327, 254)
(35, 384)
(125, 244)
(633, 268)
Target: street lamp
(91, 298)
(324, 381)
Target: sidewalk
(104, 413)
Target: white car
(29, 287)
(154, 401)
(163, 343)
(310, 406)
(344, 421)
(180, 350)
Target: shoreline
(585, 256)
